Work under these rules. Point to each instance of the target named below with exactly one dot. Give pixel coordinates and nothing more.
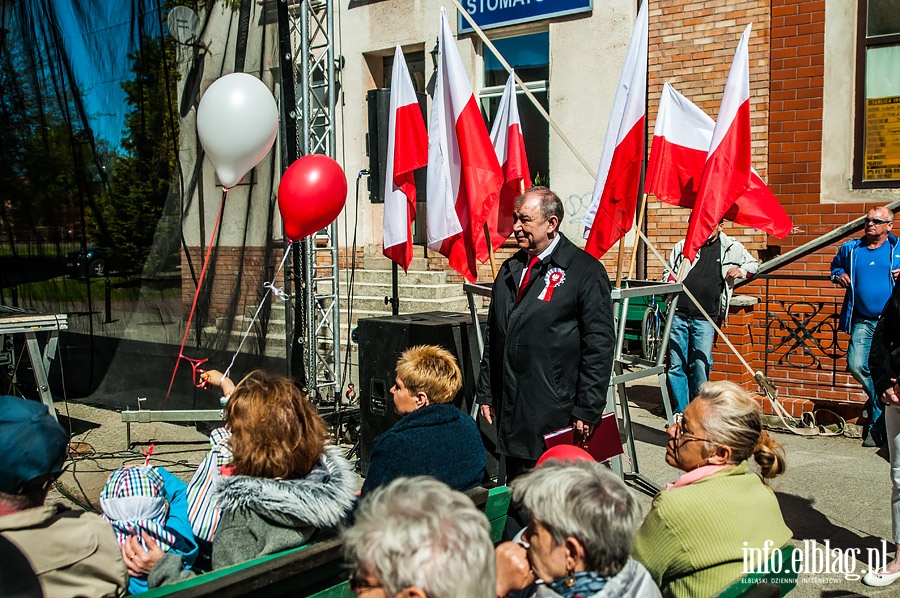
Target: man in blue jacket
(867, 267)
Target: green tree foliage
(139, 179)
(37, 165)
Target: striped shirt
(202, 512)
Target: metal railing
(802, 333)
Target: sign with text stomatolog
(499, 13)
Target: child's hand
(213, 377)
(217, 378)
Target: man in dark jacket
(549, 349)
(884, 363)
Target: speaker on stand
(383, 339)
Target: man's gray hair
(586, 501)
(551, 204)
(418, 532)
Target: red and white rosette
(553, 278)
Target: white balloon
(237, 121)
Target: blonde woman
(694, 537)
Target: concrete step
(384, 276)
(405, 291)
(405, 308)
(363, 303)
(379, 262)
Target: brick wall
(235, 277)
(812, 371)
(795, 104)
(692, 46)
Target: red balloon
(312, 193)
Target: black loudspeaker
(383, 339)
(378, 103)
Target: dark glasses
(877, 221)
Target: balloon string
(187, 328)
(270, 288)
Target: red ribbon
(555, 279)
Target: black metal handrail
(802, 333)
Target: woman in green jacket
(696, 538)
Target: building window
(415, 62)
(877, 148)
(529, 55)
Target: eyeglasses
(877, 221)
(358, 583)
(681, 435)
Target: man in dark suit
(549, 348)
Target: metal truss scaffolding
(306, 31)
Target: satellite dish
(183, 25)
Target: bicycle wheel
(650, 333)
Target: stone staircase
(420, 290)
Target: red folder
(603, 445)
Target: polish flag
(509, 144)
(407, 150)
(681, 141)
(614, 201)
(464, 175)
(726, 174)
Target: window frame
(535, 86)
(864, 43)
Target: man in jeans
(710, 279)
(867, 267)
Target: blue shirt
(872, 285)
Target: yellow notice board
(883, 139)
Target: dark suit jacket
(547, 362)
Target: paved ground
(834, 490)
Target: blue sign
(499, 13)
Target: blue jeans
(690, 358)
(861, 331)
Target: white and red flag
(726, 174)
(464, 175)
(509, 144)
(407, 150)
(681, 140)
(614, 201)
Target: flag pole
(637, 238)
(487, 241)
(620, 262)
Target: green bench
(761, 584)
(316, 570)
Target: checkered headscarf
(133, 501)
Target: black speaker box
(378, 104)
(383, 339)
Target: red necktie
(534, 260)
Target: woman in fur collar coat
(283, 487)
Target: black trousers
(516, 519)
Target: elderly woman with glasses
(695, 536)
(578, 540)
